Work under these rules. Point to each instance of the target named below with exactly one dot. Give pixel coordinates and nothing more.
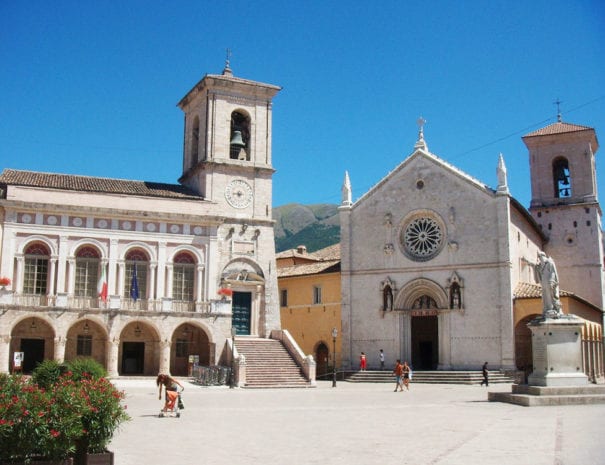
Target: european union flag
(134, 285)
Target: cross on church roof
(558, 104)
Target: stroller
(173, 405)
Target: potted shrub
(36, 426)
(59, 414)
(101, 415)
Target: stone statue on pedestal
(546, 273)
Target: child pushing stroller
(173, 403)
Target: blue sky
(91, 87)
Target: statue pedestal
(557, 352)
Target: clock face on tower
(238, 193)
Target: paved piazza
(354, 424)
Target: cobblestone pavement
(354, 424)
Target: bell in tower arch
(236, 139)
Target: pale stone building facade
(183, 263)
(432, 258)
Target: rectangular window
(141, 279)
(182, 282)
(316, 295)
(35, 276)
(84, 346)
(87, 272)
(283, 297)
(181, 348)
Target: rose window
(422, 238)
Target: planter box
(68, 461)
(102, 458)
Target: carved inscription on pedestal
(539, 350)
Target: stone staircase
(268, 364)
(430, 377)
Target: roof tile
(92, 184)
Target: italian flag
(102, 287)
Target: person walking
(381, 355)
(406, 375)
(362, 362)
(398, 372)
(485, 372)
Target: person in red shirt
(362, 362)
(398, 372)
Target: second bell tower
(565, 204)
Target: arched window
(561, 178)
(195, 142)
(36, 269)
(183, 273)
(239, 141)
(135, 277)
(87, 272)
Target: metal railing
(215, 375)
(123, 303)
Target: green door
(242, 304)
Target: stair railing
(305, 362)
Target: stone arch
(90, 243)
(37, 238)
(324, 357)
(33, 334)
(523, 344)
(151, 253)
(87, 337)
(139, 348)
(195, 252)
(241, 123)
(242, 271)
(190, 338)
(417, 288)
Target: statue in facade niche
(546, 273)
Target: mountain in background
(314, 226)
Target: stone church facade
(147, 277)
(435, 263)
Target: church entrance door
(425, 340)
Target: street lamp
(233, 333)
(334, 335)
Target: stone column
(19, 278)
(60, 342)
(5, 361)
(406, 337)
(199, 284)
(121, 271)
(112, 358)
(51, 277)
(165, 356)
(71, 279)
(444, 340)
(170, 278)
(152, 271)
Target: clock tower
(227, 160)
(227, 146)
